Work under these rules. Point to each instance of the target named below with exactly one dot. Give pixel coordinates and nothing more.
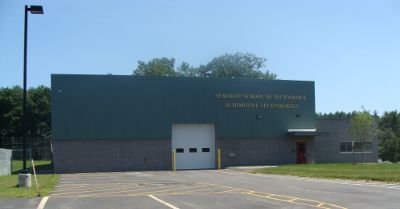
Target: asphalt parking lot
(209, 189)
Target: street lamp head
(35, 9)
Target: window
(192, 149)
(348, 146)
(205, 150)
(179, 150)
(357, 147)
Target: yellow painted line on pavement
(228, 191)
(307, 202)
(111, 187)
(71, 185)
(67, 187)
(284, 198)
(197, 190)
(71, 178)
(100, 181)
(168, 190)
(138, 192)
(91, 183)
(63, 189)
(270, 195)
(191, 193)
(64, 186)
(229, 187)
(124, 191)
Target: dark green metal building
(119, 123)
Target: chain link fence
(37, 148)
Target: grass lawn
(9, 188)
(40, 165)
(8, 184)
(372, 172)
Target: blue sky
(351, 49)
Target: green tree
(11, 111)
(389, 125)
(389, 148)
(336, 115)
(362, 128)
(390, 120)
(238, 65)
(186, 70)
(156, 67)
(38, 111)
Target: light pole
(24, 179)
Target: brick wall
(243, 152)
(102, 155)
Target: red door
(301, 152)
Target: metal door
(301, 152)
(194, 145)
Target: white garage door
(194, 145)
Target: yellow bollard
(219, 159)
(173, 160)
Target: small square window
(205, 150)
(192, 149)
(180, 150)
